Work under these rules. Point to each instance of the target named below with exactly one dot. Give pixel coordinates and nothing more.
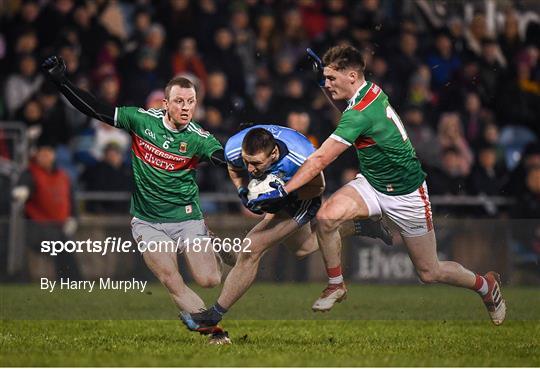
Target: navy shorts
(303, 211)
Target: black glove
(55, 67)
(317, 66)
(242, 193)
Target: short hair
(343, 57)
(257, 140)
(178, 81)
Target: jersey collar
(350, 102)
(283, 151)
(172, 129)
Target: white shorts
(411, 213)
(167, 237)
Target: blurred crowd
(464, 76)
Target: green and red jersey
(164, 163)
(385, 154)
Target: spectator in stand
(473, 118)
(450, 178)
(293, 96)
(403, 64)
(155, 42)
(216, 123)
(443, 62)
(216, 95)
(224, 56)
(292, 38)
(490, 136)
(142, 21)
(300, 121)
(25, 20)
(510, 40)
(245, 41)
(262, 107)
(527, 209)
(178, 18)
(267, 39)
(450, 136)
(520, 99)
(313, 20)
(529, 159)
(108, 61)
(474, 34)
(491, 73)
(113, 19)
(108, 175)
(487, 178)
(55, 128)
(187, 60)
(419, 93)
(210, 16)
(529, 200)
(378, 73)
(52, 17)
(145, 79)
(32, 116)
(91, 33)
(422, 136)
(22, 85)
(50, 213)
(26, 43)
(337, 22)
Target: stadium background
(464, 76)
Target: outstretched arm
(86, 103)
(315, 163)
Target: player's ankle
(219, 309)
(335, 275)
(481, 285)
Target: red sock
(334, 275)
(480, 285)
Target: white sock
(484, 289)
(336, 280)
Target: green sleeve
(208, 146)
(125, 117)
(351, 125)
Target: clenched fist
(55, 67)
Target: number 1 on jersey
(392, 115)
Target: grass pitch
(271, 326)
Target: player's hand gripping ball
(258, 186)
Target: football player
(391, 183)
(166, 147)
(253, 153)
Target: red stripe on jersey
(363, 142)
(158, 158)
(368, 98)
(427, 208)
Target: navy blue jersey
(294, 148)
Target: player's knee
(301, 254)
(210, 280)
(327, 218)
(326, 222)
